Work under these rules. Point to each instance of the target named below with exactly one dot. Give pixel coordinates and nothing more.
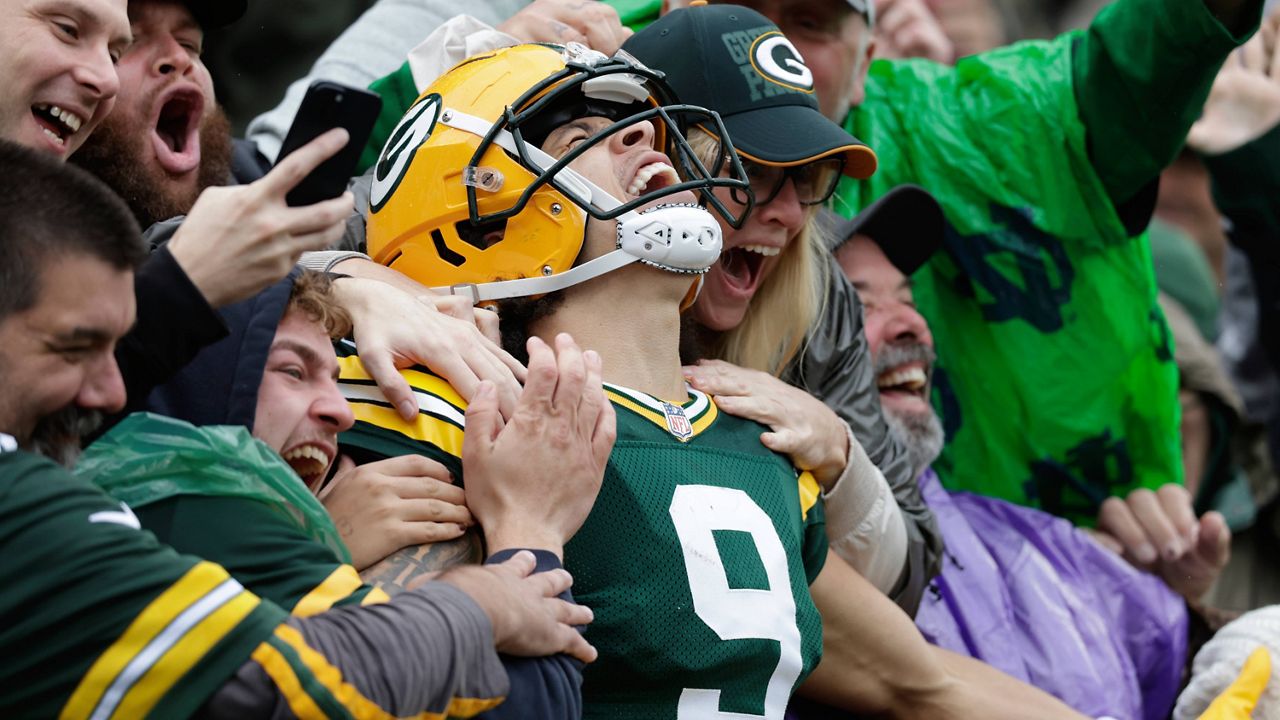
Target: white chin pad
(679, 237)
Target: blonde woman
(772, 308)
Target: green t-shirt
(100, 619)
(696, 557)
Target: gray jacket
(836, 368)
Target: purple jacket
(1030, 594)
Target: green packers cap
(731, 59)
(906, 222)
(213, 14)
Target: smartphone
(329, 105)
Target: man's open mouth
(57, 122)
(310, 462)
(177, 131)
(908, 379)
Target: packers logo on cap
(414, 129)
(774, 57)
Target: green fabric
(74, 581)
(148, 458)
(398, 92)
(1183, 272)
(628, 567)
(636, 14)
(1055, 378)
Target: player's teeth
(765, 250)
(646, 173)
(53, 135)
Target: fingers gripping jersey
(695, 559)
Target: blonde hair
(788, 303)
(313, 296)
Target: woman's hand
(803, 428)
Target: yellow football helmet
(462, 195)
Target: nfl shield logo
(677, 423)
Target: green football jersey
(100, 620)
(696, 558)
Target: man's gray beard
(920, 433)
(59, 435)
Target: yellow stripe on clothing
(352, 699)
(286, 680)
(194, 645)
(809, 492)
(425, 428)
(338, 586)
(351, 369)
(376, 596)
(702, 422)
(174, 630)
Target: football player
(561, 177)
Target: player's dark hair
(49, 210)
(517, 314)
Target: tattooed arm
(409, 567)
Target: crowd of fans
(663, 359)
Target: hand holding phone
(328, 105)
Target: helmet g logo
(413, 130)
(774, 57)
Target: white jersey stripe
(427, 402)
(162, 643)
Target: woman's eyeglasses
(814, 181)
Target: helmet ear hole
(481, 236)
(447, 254)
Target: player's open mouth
(58, 123)
(310, 461)
(651, 178)
(176, 135)
(909, 379)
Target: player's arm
(430, 650)
(1139, 84)
(874, 660)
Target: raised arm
(1141, 74)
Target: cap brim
(213, 14)
(906, 222)
(806, 136)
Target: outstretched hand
(532, 480)
(908, 29)
(1159, 532)
(527, 618)
(594, 24)
(394, 329)
(399, 502)
(1244, 102)
(238, 240)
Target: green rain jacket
(1055, 377)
